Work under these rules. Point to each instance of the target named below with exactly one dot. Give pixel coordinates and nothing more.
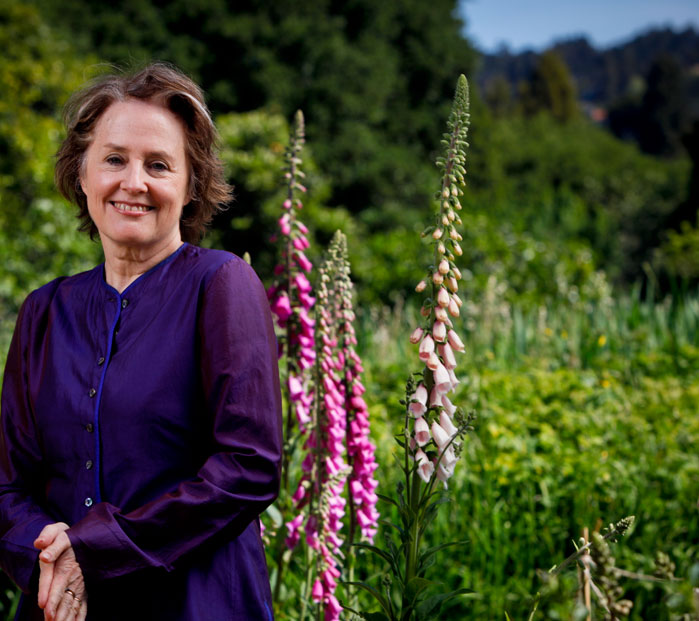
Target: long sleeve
(21, 515)
(240, 477)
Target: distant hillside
(601, 76)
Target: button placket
(93, 464)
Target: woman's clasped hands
(62, 594)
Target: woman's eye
(114, 160)
(159, 166)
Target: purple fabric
(150, 422)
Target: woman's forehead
(140, 124)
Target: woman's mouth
(131, 208)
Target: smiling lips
(127, 208)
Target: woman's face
(135, 176)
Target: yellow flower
(564, 335)
(602, 340)
(605, 383)
(548, 331)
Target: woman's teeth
(132, 208)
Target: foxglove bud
(443, 297)
(417, 409)
(421, 286)
(425, 468)
(442, 383)
(437, 278)
(455, 341)
(446, 423)
(443, 267)
(420, 394)
(435, 398)
(416, 335)
(426, 348)
(439, 331)
(441, 437)
(447, 355)
(422, 432)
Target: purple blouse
(150, 422)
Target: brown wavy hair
(167, 86)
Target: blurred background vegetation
(581, 241)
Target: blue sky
(536, 23)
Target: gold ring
(71, 592)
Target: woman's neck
(124, 264)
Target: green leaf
(387, 556)
(387, 499)
(433, 604)
(415, 587)
(430, 552)
(383, 602)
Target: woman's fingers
(82, 613)
(48, 534)
(45, 579)
(66, 575)
(52, 551)
(68, 607)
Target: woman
(141, 425)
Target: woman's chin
(132, 235)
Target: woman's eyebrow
(111, 146)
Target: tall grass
(587, 413)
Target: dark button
(88, 502)
(92, 392)
(89, 428)
(124, 303)
(88, 464)
(100, 360)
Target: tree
(371, 77)
(38, 238)
(663, 108)
(550, 87)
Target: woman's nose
(134, 180)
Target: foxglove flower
(437, 338)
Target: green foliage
(679, 254)
(569, 186)
(549, 88)
(38, 238)
(373, 79)
(586, 413)
(253, 155)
